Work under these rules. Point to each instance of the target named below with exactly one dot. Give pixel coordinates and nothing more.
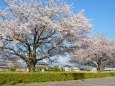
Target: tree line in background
(33, 30)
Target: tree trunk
(31, 67)
(98, 68)
(99, 61)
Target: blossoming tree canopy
(97, 51)
(34, 30)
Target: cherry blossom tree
(34, 30)
(96, 51)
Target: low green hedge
(14, 77)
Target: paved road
(89, 82)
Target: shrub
(14, 77)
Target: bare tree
(35, 30)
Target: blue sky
(102, 13)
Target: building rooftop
(41, 63)
(67, 66)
